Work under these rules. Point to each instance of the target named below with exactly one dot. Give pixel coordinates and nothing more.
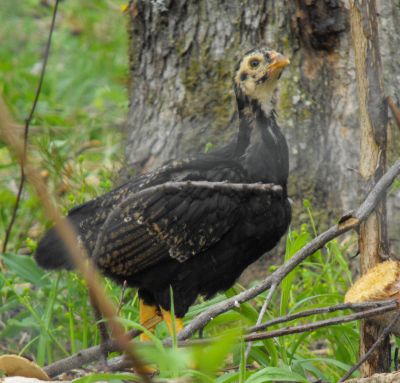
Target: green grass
(74, 139)
(82, 102)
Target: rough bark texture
(182, 54)
(373, 118)
(378, 378)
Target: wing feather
(164, 224)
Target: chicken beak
(279, 62)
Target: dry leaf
(14, 365)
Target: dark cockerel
(196, 240)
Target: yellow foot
(168, 320)
(146, 312)
(147, 370)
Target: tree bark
(378, 378)
(373, 118)
(182, 55)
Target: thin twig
(94, 353)
(368, 354)
(369, 313)
(320, 324)
(27, 122)
(121, 299)
(262, 313)
(102, 328)
(320, 310)
(394, 110)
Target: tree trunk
(378, 378)
(373, 116)
(182, 55)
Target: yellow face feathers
(258, 72)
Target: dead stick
(394, 110)
(320, 310)
(69, 236)
(93, 353)
(352, 221)
(368, 354)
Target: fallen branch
(93, 354)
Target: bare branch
(394, 110)
(378, 192)
(262, 313)
(369, 353)
(94, 353)
(321, 310)
(320, 324)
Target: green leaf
(161, 355)
(246, 310)
(174, 367)
(99, 377)
(196, 310)
(298, 342)
(275, 373)
(342, 354)
(232, 377)
(288, 281)
(341, 260)
(334, 362)
(211, 358)
(223, 319)
(308, 298)
(259, 356)
(9, 305)
(309, 367)
(251, 316)
(26, 269)
(242, 367)
(203, 377)
(344, 327)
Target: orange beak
(279, 62)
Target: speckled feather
(174, 223)
(196, 240)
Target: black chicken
(196, 240)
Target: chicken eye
(254, 64)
